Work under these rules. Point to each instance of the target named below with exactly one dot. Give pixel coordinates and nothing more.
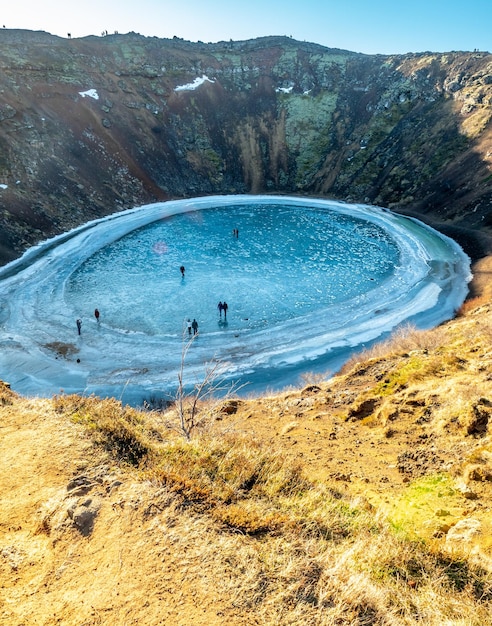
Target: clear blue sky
(369, 26)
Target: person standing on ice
(188, 324)
(224, 308)
(96, 315)
(220, 306)
(195, 326)
(79, 325)
(182, 270)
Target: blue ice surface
(308, 282)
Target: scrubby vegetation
(300, 551)
(359, 500)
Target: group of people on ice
(192, 326)
(79, 321)
(222, 308)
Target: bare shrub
(196, 404)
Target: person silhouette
(224, 308)
(220, 306)
(182, 270)
(79, 326)
(194, 325)
(96, 315)
(188, 324)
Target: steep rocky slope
(170, 118)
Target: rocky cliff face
(95, 125)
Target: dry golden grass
(471, 304)
(299, 552)
(335, 504)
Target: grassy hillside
(364, 499)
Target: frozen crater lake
(307, 283)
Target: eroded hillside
(95, 125)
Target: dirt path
(139, 564)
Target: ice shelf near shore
(308, 282)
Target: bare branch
(190, 415)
